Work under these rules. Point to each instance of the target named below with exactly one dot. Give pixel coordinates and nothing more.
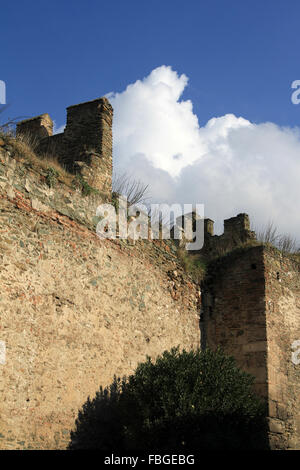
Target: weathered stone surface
(38, 127)
(87, 138)
(74, 309)
(282, 288)
(250, 307)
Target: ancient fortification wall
(282, 305)
(233, 311)
(250, 307)
(236, 232)
(85, 146)
(75, 309)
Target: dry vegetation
(193, 264)
(23, 148)
(134, 190)
(285, 243)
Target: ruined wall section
(88, 139)
(233, 311)
(251, 308)
(85, 146)
(236, 232)
(282, 280)
(28, 186)
(74, 309)
(39, 127)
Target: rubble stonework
(85, 146)
(39, 127)
(76, 310)
(250, 308)
(236, 232)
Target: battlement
(209, 227)
(237, 224)
(236, 231)
(40, 127)
(84, 147)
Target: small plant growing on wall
(81, 183)
(51, 177)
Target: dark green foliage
(51, 177)
(86, 189)
(194, 264)
(185, 401)
(115, 200)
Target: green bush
(184, 401)
(86, 189)
(51, 177)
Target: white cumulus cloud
(230, 165)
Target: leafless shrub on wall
(9, 126)
(268, 234)
(288, 244)
(134, 190)
(284, 242)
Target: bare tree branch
(284, 242)
(134, 190)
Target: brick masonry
(236, 232)
(250, 307)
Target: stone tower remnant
(85, 146)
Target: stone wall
(74, 309)
(250, 307)
(282, 284)
(233, 311)
(84, 147)
(39, 127)
(236, 232)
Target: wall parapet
(87, 139)
(236, 232)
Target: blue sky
(240, 56)
(201, 92)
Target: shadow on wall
(202, 402)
